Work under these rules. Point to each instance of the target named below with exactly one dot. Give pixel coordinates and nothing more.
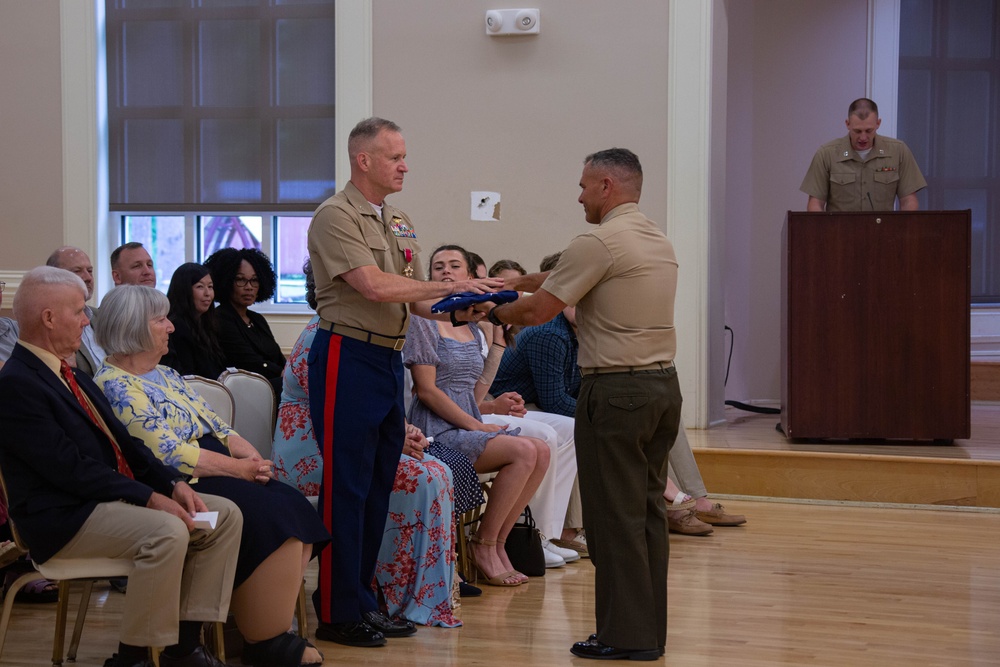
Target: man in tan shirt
(365, 258)
(863, 171)
(622, 277)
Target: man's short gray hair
(619, 159)
(619, 162)
(365, 131)
(123, 327)
(38, 277)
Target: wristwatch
(492, 317)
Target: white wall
(795, 66)
(517, 115)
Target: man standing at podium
(863, 171)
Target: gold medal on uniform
(408, 269)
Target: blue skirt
(468, 492)
(272, 514)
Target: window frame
(938, 67)
(194, 242)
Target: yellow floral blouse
(169, 418)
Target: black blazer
(58, 464)
(187, 356)
(249, 348)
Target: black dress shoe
(387, 626)
(468, 590)
(598, 651)
(593, 638)
(357, 633)
(199, 657)
(113, 662)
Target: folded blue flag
(463, 300)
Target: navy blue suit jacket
(57, 464)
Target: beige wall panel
(517, 115)
(31, 216)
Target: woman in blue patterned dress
(281, 530)
(446, 363)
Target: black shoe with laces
(387, 626)
(357, 633)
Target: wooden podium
(875, 325)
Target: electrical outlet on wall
(485, 206)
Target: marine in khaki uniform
(863, 171)
(364, 255)
(622, 278)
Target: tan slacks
(176, 575)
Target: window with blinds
(220, 125)
(949, 116)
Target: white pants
(548, 505)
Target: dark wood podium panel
(875, 325)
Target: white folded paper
(206, 520)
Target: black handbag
(524, 547)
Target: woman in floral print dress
(416, 563)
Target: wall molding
(689, 195)
(883, 61)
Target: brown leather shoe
(577, 544)
(717, 517)
(686, 523)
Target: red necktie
(67, 373)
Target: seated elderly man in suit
(79, 486)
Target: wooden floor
(873, 582)
(801, 584)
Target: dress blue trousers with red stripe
(356, 403)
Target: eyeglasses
(243, 282)
(2, 285)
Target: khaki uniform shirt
(622, 277)
(838, 176)
(345, 233)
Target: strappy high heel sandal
(498, 580)
(521, 576)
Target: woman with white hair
(281, 530)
